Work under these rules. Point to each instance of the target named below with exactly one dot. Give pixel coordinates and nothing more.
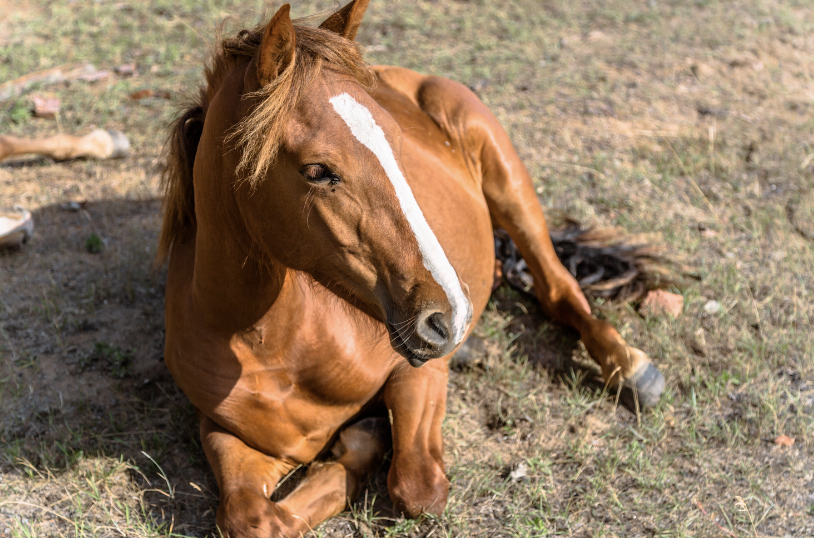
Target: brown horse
(326, 221)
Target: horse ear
(276, 50)
(346, 21)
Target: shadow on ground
(83, 375)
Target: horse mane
(260, 133)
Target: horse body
(279, 352)
(294, 299)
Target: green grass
(602, 100)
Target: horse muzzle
(431, 335)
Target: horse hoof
(16, 226)
(121, 146)
(644, 387)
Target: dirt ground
(688, 122)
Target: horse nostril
(436, 323)
(433, 329)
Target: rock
(73, 207)
(519, 472)
(712, 307)
(595, 35)
(45, 107)
(706, 109)
(479, 85)
(709, 233)
(144, 94)
(701, 70)
(662, 302)
(126, 70)
(569, 40)
(784, 440)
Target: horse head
(324, 189)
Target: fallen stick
(74, 71)
(98, 144)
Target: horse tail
(605, 264)
(176, 180)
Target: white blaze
(367, 131)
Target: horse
(329, 229)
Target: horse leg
(514, 207)
(417, 397)
(247, 479)
(330, 486)
(97, 144)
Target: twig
(730, 533)
(576, 167)
(18, 86)
(38, 507)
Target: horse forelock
(259, 135)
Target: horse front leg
(416, 399)
(247, 478)
(514, 207)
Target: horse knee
(363, 445)
(418, 489)
(247, 514)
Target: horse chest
(303, 406)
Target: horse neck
(232, 286)
(231, 289)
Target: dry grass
(687, 121)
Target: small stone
(784, 440)
(141, 94)
(700, 335)
(44, 107)
(660, 301)
(73, 207)
(702, 70)
(709, 233)
(519, 472)
(595, 35)
(148, 93)
(712, 307)
(569, 40)
(126, 70)
(706, 109)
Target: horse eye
(316, 172)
